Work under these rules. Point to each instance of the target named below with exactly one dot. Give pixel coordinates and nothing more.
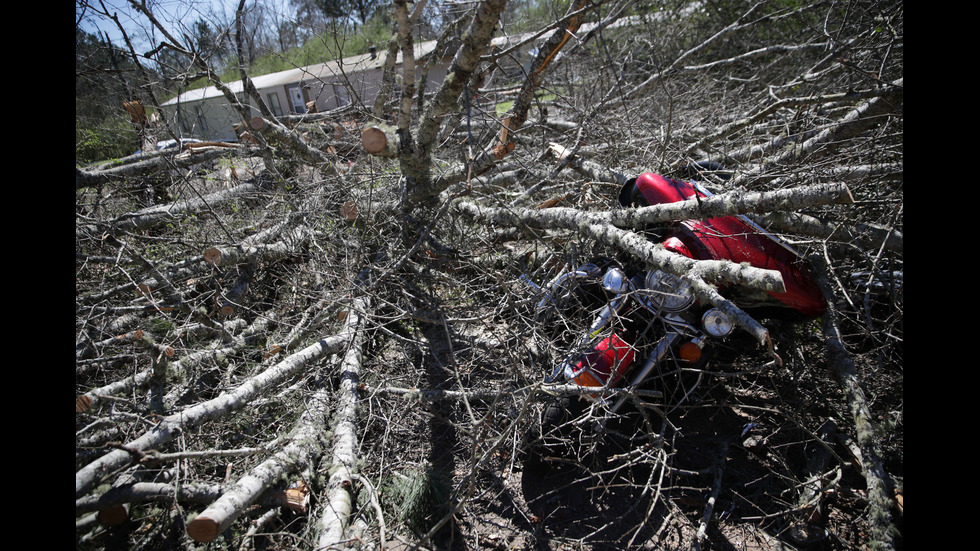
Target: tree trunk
(335, 517)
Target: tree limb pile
(242, 382)
(169, 427)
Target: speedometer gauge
(717, 323)
(667, 291)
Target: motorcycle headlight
(716, 323)
(667, 291)
(615, 281)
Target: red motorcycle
(647, 321)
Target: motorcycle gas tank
(733, 238)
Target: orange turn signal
(690, 352)
(587, 379)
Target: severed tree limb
(700, 273)
(252, 252)
(161, 214)
(303, 447)
(732, 203)
(598, 226)
(380, 140)
(146, 164)
(880, 499)
(337, 508)
(177, 367)
(169, 427)
(768, 207)
(863, 234)
(160, 275)
(145, 492)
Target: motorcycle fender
(611, 357)
(657, 189)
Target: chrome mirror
(615, 281)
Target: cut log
(379, 140)
(336, 512)
(303, 447)
(169, 427)
(114, 516)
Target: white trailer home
(206, 114)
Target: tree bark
(140, 165)
(303, 447)
(90, 475)
(880, 498)
(253, 252)
(144, 492)
(177, 367)
(415, 153)
(337, 508)
(161, 214)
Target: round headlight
(667, 291)
(717, 323)
(615, 281)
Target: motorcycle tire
(551, 437)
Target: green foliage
(110, 140)
(418, 498)
(339, 42)
(102, 128)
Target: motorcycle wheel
(558, 444)
(550, 441)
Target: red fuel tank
(737, 239)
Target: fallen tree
(274, 344)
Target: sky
(176, 15)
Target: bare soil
(734, 461)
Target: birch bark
(169, 427)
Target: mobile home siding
(207, 114)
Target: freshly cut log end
(113, 516)
(203, 529)
(273, 351)
(82, 403)
(257, 123)
(373, 140)
(501, 150)
(297, 499)
(349, 211)
(212, 257)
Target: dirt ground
(741, 454)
